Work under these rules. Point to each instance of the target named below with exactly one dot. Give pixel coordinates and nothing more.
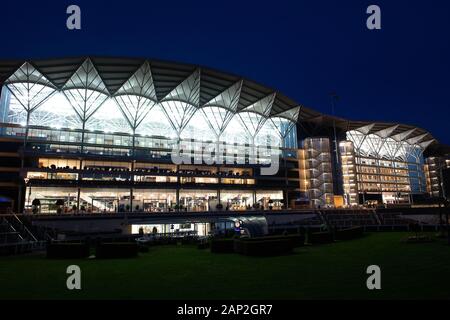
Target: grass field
(335, 271)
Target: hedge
(67, 250)
(266, 247)
(320, 237)
(117, 250)
(238, 245)
(296, 240)
(143, 249)
(203, 245)
(222, 245)
(350, 233)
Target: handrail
(25, 228)
(14, 229)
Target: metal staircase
(16, 237)
(319, 165)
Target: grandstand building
(98, 135)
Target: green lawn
(183, 272)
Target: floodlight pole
(333, 102)
(338, 167)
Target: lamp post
(334, 98)
(338, 165)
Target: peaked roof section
(416, 139)
(30, 87)
(262, 107)
(426, 144)
(403, 135)
(188, 91)
(137, 96)
(86, 77)
(212, 83)
(366, 129)
(85, 90)
(384, 133)
(28, 75)
(228, 99)
(116, 71)
(139, 84)
(291, 114)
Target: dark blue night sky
(305, 49)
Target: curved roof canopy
(152, 81)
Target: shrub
(238, 246)
(222, 245)
(320, 237)
(188, 240)
(143, 249)
(117, 250)
(203, 245)
(350, 233)
(266, 247)
(295, 240)
(67, 250)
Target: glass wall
(51, 200)
(201, 229)
(391, 166)
(96, 200)
(270, 200)
(154, 200)
(83, 112)
(236, 200)
(198, 200)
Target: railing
(11, 228)
(28, 232)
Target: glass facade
(100, 145)
(84, 112)
(59, 199)
(389, 164)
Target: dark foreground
(335, 271)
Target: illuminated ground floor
(110, 200)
